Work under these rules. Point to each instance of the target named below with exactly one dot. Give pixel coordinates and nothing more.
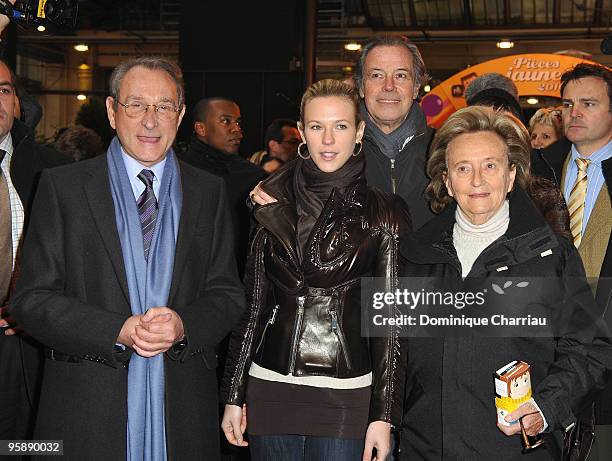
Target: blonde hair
(328, 88)
(550, 116)
(472, 120)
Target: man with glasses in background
(129, 283)
(282, 140)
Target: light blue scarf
(149, 286)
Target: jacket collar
(606, 167)
(97, 192)
(19, 132)
(528, 235)
(280, 218)
(207, 150)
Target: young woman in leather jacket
(314, 387)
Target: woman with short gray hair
(488, 226)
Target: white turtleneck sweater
(471, 239)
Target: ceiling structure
(451, 34)
(455, 34)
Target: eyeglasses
(165, 111)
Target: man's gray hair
(420, 72)
(150, 63)
(488, 81)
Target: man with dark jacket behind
(214, 148)
(21, 161)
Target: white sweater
(470, 239)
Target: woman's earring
(355, 154)
(300, 151)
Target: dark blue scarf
(149, 286)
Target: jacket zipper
(270, 321)
(337, 330)
(393, 179)
(296, 332)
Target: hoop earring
(355, 154)
(300, 152)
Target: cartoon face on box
(520, 386)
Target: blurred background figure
(79, 143)
(217, 134)
(495, 90)
(281, 141)
(545, 127)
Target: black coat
(19, 356)
(240, 176)
(75, 301)
(548, 163)
(604, 300)
(449, 409)
(404, 176)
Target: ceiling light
(81, 47)
(352, 46)
(347, 69)
(84, 66)
(427, 88)
(81, 97)
(532, 100)
(505, 44)
(41, 28)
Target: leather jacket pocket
(336, 328)
(269, 323)
(320, 345)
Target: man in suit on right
(586, 182)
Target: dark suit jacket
(75, 301)
(19, 356)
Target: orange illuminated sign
(533, 74)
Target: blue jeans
(304, 448)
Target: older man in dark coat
(130, 285)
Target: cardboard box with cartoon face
(512, 388)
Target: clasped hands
(152, 333)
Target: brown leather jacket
(304, 318)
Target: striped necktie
(577, 200)
(6, 236)
(147, 209)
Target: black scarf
(313, 188)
